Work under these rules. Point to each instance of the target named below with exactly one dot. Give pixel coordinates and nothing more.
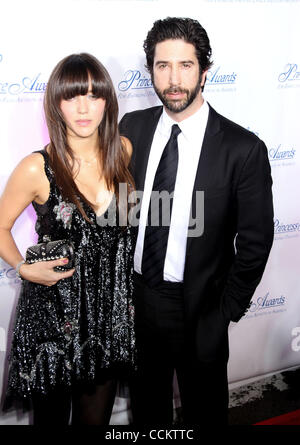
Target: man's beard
(176, 106)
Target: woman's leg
(51, 409)
(92, 405)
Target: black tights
(90, 405)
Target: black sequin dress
(82, 328)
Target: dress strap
(48, 171)
(44, 153)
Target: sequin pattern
(83, 325)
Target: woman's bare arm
(26, 184)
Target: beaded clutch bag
(52, 250)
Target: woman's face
(83, 114)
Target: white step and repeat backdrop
(255, 81)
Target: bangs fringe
(75, 81)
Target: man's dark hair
(174, 28)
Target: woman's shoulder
(27, 180)
(32, 162)
(31, 166)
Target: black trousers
(162, 349)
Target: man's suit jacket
(225, 264)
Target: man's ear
(203, 79)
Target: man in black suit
(191, 281)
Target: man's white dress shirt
(189, 149)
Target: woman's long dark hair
(71, 78)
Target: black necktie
(157, 230)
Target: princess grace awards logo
(266, 305)
(284, 229)
(220, 80)
(8, 275)
(280, 156)
(290, 76)
(135, 83)
(25, 89)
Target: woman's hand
(42, 272)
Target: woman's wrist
(18, 269)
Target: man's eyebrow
(181, 61)
(188, 61)
(160, 61)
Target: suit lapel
(206, 167)
(209, 151)
(142, 155)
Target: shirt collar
(189, 126)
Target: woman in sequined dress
(74, 330)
